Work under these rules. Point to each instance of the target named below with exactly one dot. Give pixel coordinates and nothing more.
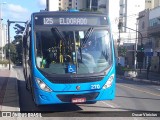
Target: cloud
(16, 12)
(17, 8)
(41, 3)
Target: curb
(11, 97)
(139, 80)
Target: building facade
(143, 39)
(154, 37)
(150, 4)
(149, 26)
(74, 4)
(3, 40)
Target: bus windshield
(71, 50)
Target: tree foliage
(15, 46)
(13, 52)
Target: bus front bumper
(43, 98)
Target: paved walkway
(9, 99)
(153, 77)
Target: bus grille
(69, 80)
(68, 97)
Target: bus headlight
(42, 85)
(109, 82)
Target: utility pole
(135, 48)
(90, 5)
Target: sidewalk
(153, 77)
(9, 98)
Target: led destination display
(71, 20)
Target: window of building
(70, 0)
(70, 5)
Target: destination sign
(70, 20)
(66, 21)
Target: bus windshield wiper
(87, 35)
(58, 33)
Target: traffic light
(142, 48)
(140, 56)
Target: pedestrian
(148, 70)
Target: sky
(19, 10)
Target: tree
(15, 46)
(13, 52)
(18, 45)
(18, 42)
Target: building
(3, 40)
(74, 4)
(154, 37)
(143, 24)
(52, 5)
(150, 4)
(149, 26)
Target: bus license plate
(78, 100)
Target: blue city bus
(68, 57)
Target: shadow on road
(8, 93)
(125, 97)
(27, 104)
(127, 81)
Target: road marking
(108, 104)
(139, 90)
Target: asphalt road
(130, 96)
